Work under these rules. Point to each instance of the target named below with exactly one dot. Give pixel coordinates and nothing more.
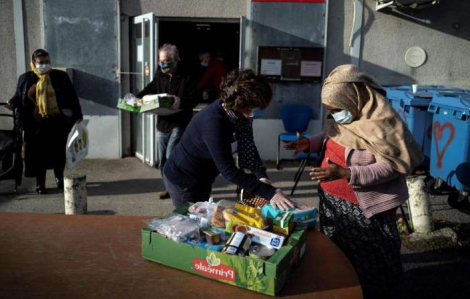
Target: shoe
(40, 189)
(60, 183)
(164, 195)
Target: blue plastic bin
(450, 146)
(413, 109)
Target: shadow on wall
(456, 14)
(98, 96)
(338, 41)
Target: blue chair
(295, 118)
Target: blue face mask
(204, 63)
(343, 117)
(166, 67)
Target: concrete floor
(128, 187)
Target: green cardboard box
(264, 276)
(163, 104)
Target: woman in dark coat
(48, 107)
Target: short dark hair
(244, 89)
(39, 53)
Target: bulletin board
(303, 64)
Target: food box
(264, 276)
(158, 104)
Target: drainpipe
(19, 37)
(356, 32)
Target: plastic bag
(77, 144)
(202, 212)
(179, 228)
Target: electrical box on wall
(405, 5)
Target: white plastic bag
(78, 143)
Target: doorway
(191, 36)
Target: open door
(243, 24)
(144, 38)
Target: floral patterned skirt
(372, 245)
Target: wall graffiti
(438, 133)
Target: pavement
(129, 187)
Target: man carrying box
(173, 79)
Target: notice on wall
(310, 69)
(140, 53)
(291, 64)
(271, 67)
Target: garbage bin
(413, 109)
(450, 146)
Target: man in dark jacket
(173, 79)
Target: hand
(266, 181)
(332, 172)
(280, 201)
(301, 145)
(9, 105)
(176, 104)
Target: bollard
(419, 204)
(75, 194)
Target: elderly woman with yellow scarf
(366, 152)
(48, 107)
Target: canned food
(261, 252)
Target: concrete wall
(186, 8)
(443, 31)
(8, 77)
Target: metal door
(144, 61)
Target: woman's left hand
(332, 172)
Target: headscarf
(376, 126)
(46, 102)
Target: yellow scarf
(46, 102)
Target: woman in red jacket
(367, 151)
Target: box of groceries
(160, 104)
(227, 242)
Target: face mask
(166, 67)
(343, 117)
(43, 68)
(204, 63)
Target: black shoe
(40, 189)
(60, 183)
(164, 195)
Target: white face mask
(343, 117)
(204, 63)
(43, 68)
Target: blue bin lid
(458, 102)
(421, 98)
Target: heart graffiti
(438, 130)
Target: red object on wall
(292, 1)
(438, 129)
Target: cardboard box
(161, 106)
(266, 277)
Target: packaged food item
(205, 245)
(178, 228)
(211, 237)
(251, 200)
(202, 212)
(269, 212)
(283, 219)
(258, 235)
(261, 252)
(217, 218)
(238, 244)
(243, 218)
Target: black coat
(181, 84)
(45, 140)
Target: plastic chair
(295, 118)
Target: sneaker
(164, 195)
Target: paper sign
(140, 53)
(310, 69)
(77, 144)
(271, 67)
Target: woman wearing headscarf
(366, 152)
(48, 107)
